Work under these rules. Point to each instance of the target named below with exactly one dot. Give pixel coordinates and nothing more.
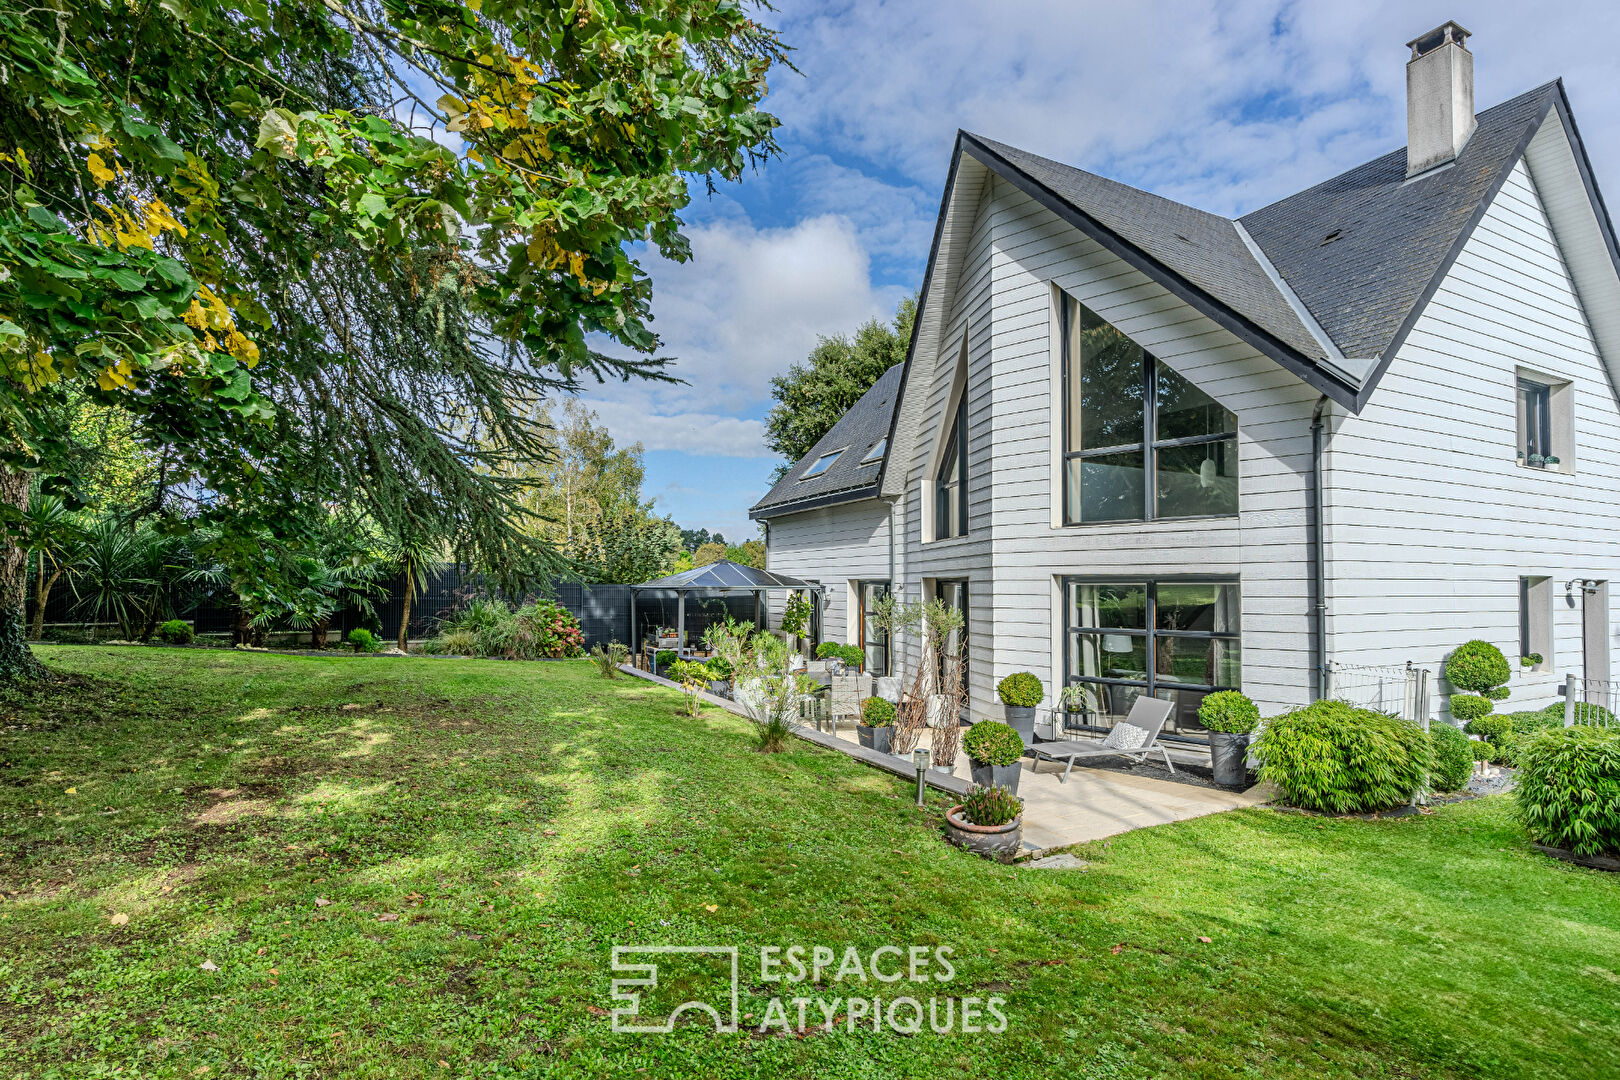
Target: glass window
(823, 463)
(1129, 417)
(1178, 640)
(950, 490)
(1535, 422)
(877, 450)
(874, 640)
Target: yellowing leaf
(71, 791)
(119, 919)
(99, 171)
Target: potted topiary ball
(993, 750)
(876, 725)
(1020, 693)
(1231, 718)
(989, 822)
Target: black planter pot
(875, 738)
(1021, 718)
(1228, 758)
(1005, 776)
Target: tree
(634, 547)
(226, 220)
(52, 535)
(692, 539)
(414, 557)
(749, 553)
(814, 395)
(712, 552)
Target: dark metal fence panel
(603, 611)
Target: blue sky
(1224, 105)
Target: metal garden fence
(1388, 688)
(1591, 701)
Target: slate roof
(849, 478)
(1202, 247)
(726, 574)
(1361, 249)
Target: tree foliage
(814, 395)
(326, 251)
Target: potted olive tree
(1020, 693)
(989, 822)
(876, 725)
(1231, 718)
(993, 750)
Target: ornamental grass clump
(991, 806)
(607, 658)
(1021, 690)
(991, 742)
(1567, 792)
(1453, 757)
(877, 712)
(1336, 758)
(1228, 711)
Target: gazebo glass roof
(726, 574)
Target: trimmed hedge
(1021, 689)
(877, 712)
(1228, 711)
(1470, 707)
(175, 632)
(1336, 758)
(1567, 792)
(990, 742)
(1453, 758)
(1477, 666)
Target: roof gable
(1365, 250)
(854, 475)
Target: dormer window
(877, 450)
(823, 463)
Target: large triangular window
(1139, 440)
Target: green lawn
(521, 819)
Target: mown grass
(521, 819)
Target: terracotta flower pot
(992, 841)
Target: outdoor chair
(847, 691)
(1136, 736)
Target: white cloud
(750, 303)
(1226, 104)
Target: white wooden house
(1155, 450)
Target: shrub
(991, 806)
(1470, 707)
(542, 629)
(1497, 693)
(692, 676)
(1228, 711)
(454, 643)
(991, 742)
(175, 632)
(1568, 789)
(665, 657)
(1021, 689)
(877, 712)
(1591, 714)
(796, 614)
(835, 650)
(1477, 666)
(1453, 757)
(1334, 757)
(363, 640)
(719, 668)
(607, 658)
(1530, 661)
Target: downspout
(1319, 682)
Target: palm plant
(52, 535)
(413, 556)
(121, 575)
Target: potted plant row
(850, 656)
(1231, 719)
(989, 821)
(993, 751)
(875, 729)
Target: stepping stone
(1061, 861)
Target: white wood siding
(835, 546)
(1431, 521)
(1013, 554)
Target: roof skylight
(823, 463)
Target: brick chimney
(1439, 98)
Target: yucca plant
(607, 658)
(991, 806)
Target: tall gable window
(1140, 441)
(950, 484)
